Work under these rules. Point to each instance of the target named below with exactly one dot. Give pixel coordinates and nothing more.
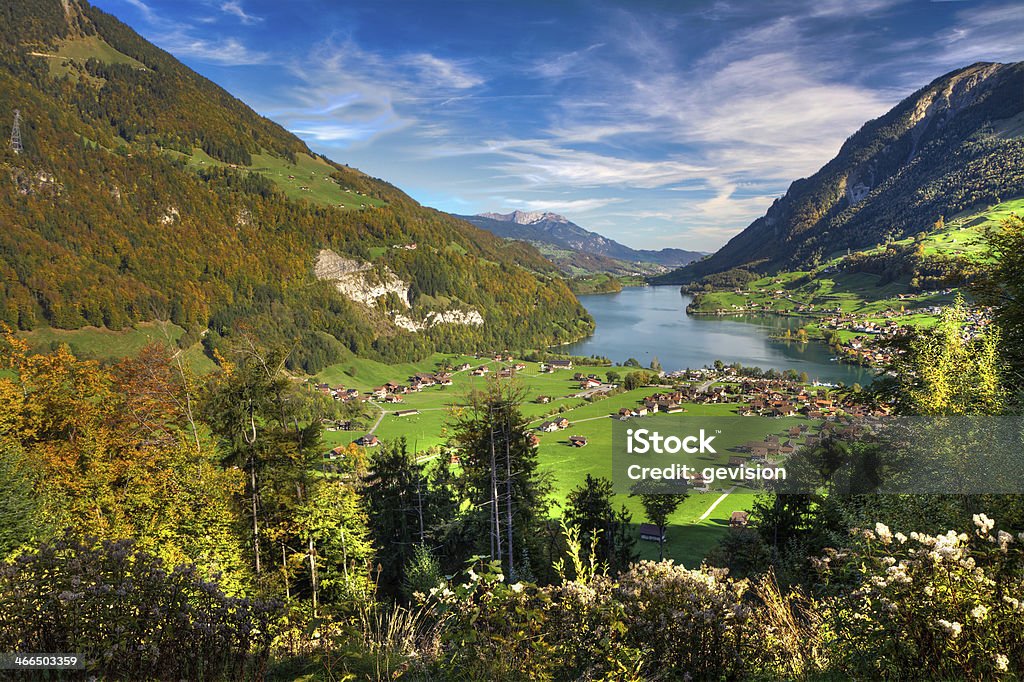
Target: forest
(108, 224)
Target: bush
(128, 615)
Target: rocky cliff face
(361, 282)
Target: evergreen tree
(501, 480)
(589, 508)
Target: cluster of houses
(872, 346)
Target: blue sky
(655, 123)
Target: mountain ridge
(557, 230)
(142, 193)
(951, 145)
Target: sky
(658, 124)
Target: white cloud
(235, 8)
(442, 73)
(226, 52)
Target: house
(739, 519)
(519, 367)
(533, 439)
(648, 531)
(393, 387)
(463, 367)
(335, 453)
(368, 441)
(423, 379)
(699, 483)
(548, 427)
(737, 461)
(577, 441)
(561, 364)
(542, 399)
(590, 383)
(640, 412)
(625, 413)
(392, 398)
(562, 423)
(380, 392)
(506, 373)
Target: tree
(501, 479)
(397, 501)
(589, 509)
(657, 508)
(1003, 288)
(613, 377)
(632, 362)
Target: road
(716, 503)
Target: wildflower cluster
(938, 606)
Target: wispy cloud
(226, 52)
(234, 7)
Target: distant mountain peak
(526, 217)
(557, 230)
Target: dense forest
(107, 224)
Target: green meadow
(689, 538)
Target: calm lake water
(648, 322)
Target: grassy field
(862, 293)
(308, 179)
(95, 343)
(689, 538)
(79, 50)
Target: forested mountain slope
(144, 190)
(952, 145)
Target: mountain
(559, 231)
(955, 144)
(145, 191)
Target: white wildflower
(1004, 540)
(517, 587)
(953, 629)
(884, 534)
(900, 538)
(1002, 662)
(984, 523)
(979, 612)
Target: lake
(649, 322)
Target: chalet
(548, 427)
(561, 364)
(794, 431)
(625, 413)
(393, 387)
(379, 392)
(368, 441)
(443, 379)
(577, 441)
(562, 423)
(648, 531)
(533, 439)
(590, 383)
(699, 483)
(406, 413)
(335, 453)
(519, 367)
(672, 407)
(542, 399)
(480, 371)
(737, 461)
(423, 379)
(506, 373)
(392, 398)
(739, 519)
(640, 412)
(463, 367)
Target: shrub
(127, 615)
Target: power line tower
(16, 133)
